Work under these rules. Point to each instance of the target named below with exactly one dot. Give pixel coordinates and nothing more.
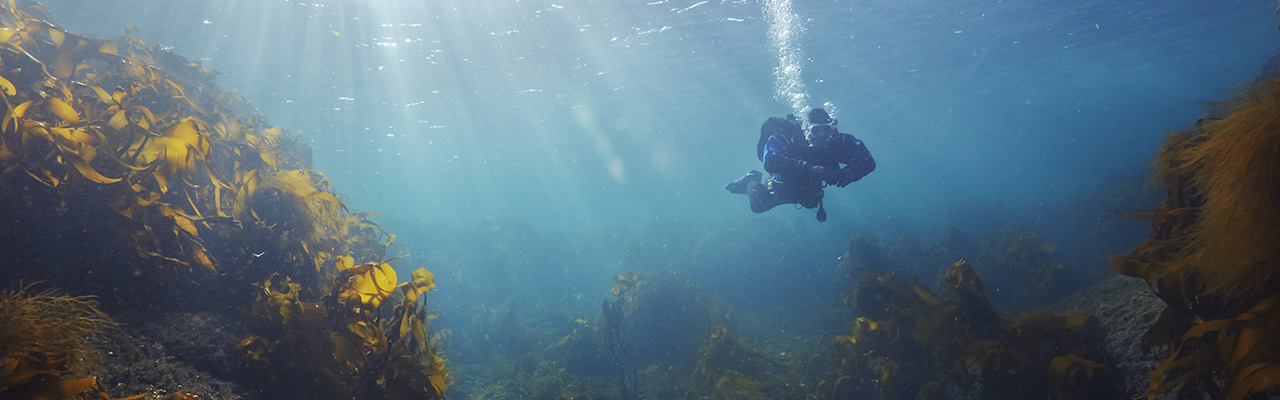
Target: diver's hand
(842, 177)
(823, 173)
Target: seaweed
(724, 358)
(665, 324)
(907, 342)
(343, 337)
(614, 317)
(734, 385)
(667, 319)
(1212, 255)
(46, 345)
(169, 173)
(545, 379)
(1024, 265)
(1022, 262)
(183, 197)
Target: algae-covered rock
(132, 157)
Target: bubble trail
(785, 30)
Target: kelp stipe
(614, 312)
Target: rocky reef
(131, 180)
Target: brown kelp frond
(52, 326)
(347, 341)
(726, 356)
(1244, 351)
(622, 284)
(1233, 167)
(703, 370)
(1213, 257)
(1065, 370)
(408, 376)
(971, 294)
(1025, 267)
(923, 346)
(162, 155)
(364, 286)
(734, 385)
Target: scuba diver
(802, 163)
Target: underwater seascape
(526, 199)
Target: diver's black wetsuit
(802, 165)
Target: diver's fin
(743, 184)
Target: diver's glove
(823, 173)
(842, 178)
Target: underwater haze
(528, 151)
(602, 115)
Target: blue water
(529, 150)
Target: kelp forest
(162, 240)
(178, 193)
